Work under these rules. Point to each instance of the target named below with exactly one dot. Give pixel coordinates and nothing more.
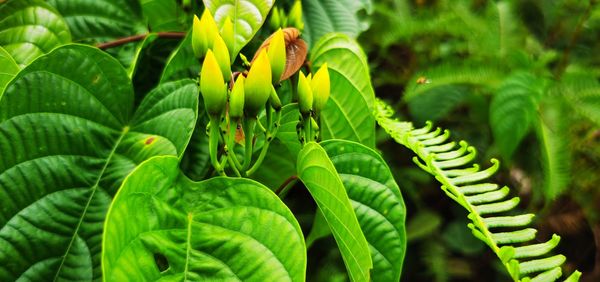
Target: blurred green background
(519, 81)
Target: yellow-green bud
(305, 95)
(295, 16)
(236, 98)
(276, 53)
(212, 85)
(228, 36)
(258, 84)
(274, 99)
(222, 55)
(320, 86)
(203, 33)
(275, 20)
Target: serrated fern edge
(448, 162)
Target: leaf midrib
(94, 189)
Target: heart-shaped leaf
(321, 179)
(347, 114)
(247, 16)
(30, 28)
(161, 225)
(68, 137)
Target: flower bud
(236, 99)
(228, 36)
(203, 33)
(212, 85)
(275, 21)
(320, 86)
(222, 55)
(276, 53)
(258, 84)
(274, 99)
(305, 95)
(295, 16)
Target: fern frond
(451, 164)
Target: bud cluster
(251, 91)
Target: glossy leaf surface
(100, 20)
(209, 230)
(321, 179)
(325, 16)
(247, 16)
(31, 28)
(68, 137)
(8, 69)
(347, 114)
(377, 202)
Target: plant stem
(248, 126)
(138, 37)
(285, 186)
(213, 144)
(231, 144)
(269, 135)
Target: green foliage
(345, 114)
(247, 16)
(325, 16)
(513, 109)
(65, 150)
(30, 28)
(8, 69)
(487, 203)
(213, 229)
(102, 19)
(111, 169)
(162, 15)
(317, 172)
(377, 202)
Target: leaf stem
(270, 134)
(248, 126)
(213, 144)
(138, 37)
(285, 186)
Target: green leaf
(279, 165)
(552, 131)
(437, 103)
(280, 162)
(218, 229)
(8, 69)
(317, 172)
(471, 73)
(195, 163)
(513, 109)
(377, 202)
(101, 20)
(162, 15)
(31, 28)
(68, 137)
(182, 63)
(325, 16)
(247, 16)
(347, 114)
(582, 92)
(287, 130)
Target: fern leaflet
(486, 203)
